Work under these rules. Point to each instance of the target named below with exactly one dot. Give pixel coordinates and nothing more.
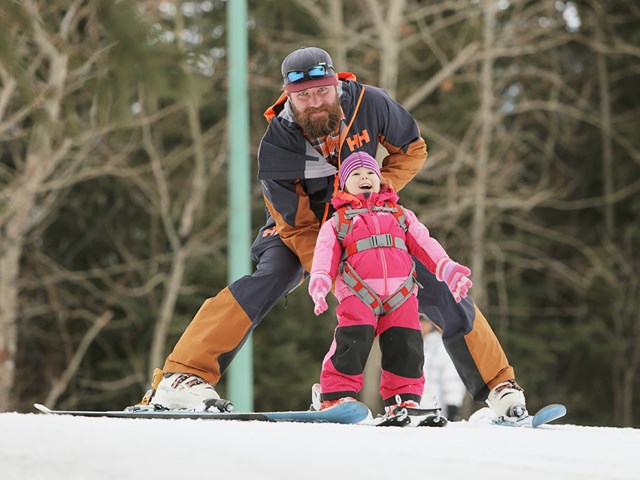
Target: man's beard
(319, 126)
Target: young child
(367, 248)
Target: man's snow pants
(224, 322)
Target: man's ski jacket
(298, 183)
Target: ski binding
(543, 416)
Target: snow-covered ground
(43, 447)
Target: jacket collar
(344, 199)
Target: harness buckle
(384, 240)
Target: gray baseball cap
(308, 67)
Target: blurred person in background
(443, 386)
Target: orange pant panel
(486, 352)
(217, 328)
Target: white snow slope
(38, 446)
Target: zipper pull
(367, 198)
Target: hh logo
(357, 140)
(270, 231)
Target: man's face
(317, 110)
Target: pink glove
(319, 285)
(455, 276)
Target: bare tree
(60, 133)
(46, 149)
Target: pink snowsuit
(384, 269)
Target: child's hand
(318, 296)
(455, 276)
(318, 287)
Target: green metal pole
(240, 380)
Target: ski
(411, 417)
(433, 421)
(400, 419)
(426, 417)
(548, 414)
(344, 413)
(543, 416)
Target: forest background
(113, 186)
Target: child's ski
(411, 417)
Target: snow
(47, 447)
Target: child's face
(362, 180)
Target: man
(321, 118)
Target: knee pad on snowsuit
(353, 345)
(402, 352)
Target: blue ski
(542, 417)
(348, 412)
(548, 414)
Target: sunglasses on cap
(311, 73)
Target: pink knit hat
(357, 160)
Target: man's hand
(319, 285)
(455, 276)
